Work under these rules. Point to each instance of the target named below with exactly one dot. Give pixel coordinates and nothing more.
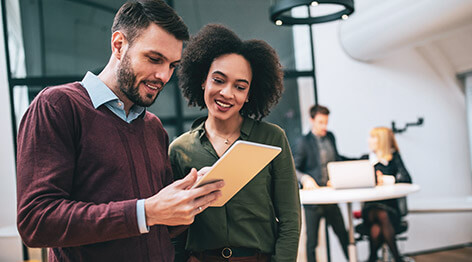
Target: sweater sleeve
(286, 201)
(47, 216)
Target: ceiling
(441, 30)
(456, 46)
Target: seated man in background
(313, 152)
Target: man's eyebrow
(159, 54)
(163, 56)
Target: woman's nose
(226, 91)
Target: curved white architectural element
(378, 28)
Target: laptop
(351, 174)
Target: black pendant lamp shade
(280, 11)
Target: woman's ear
(118, 44)
(203, 84)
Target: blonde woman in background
(383, 218)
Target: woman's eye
(241, 87)
(218, 81)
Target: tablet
(237, 166)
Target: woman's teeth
(222, 104)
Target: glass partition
(57, 41)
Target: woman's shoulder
(190, 137)
(267, 133)
(185, 140)
(263, 126)
(396, 155)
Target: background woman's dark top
(396, 168)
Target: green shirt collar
(246, 128)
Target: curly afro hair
(214, 41)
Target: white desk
(332, 196)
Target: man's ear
(119, 44)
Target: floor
(455, 255)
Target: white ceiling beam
(375, 31)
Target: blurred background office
(390, 61)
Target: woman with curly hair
(238, 82)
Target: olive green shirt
(264, 215)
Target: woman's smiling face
(227, 86)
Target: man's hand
(308, 183)
(177, 204)
(200, 174)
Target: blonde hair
(386, 143)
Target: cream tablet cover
(237, 166)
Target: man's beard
(126, 84)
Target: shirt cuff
(141, 215)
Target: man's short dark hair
(134, 17)
(214, 41)
(318, 109)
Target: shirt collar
(246, 127)
(199, 126)
(373, 159)
(318, 138)
(99, 92)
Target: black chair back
(402, 206)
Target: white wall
(10, 243)
(468, 92)
(401, 87)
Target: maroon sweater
(80, 171)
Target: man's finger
(204, 170)
(188, 180)
(202, 208)
(206, 200)
(206, 189)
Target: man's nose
(164, 74)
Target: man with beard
(94, 178)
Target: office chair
(363, 232)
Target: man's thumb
(189, 180)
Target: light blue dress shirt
(100, 94)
